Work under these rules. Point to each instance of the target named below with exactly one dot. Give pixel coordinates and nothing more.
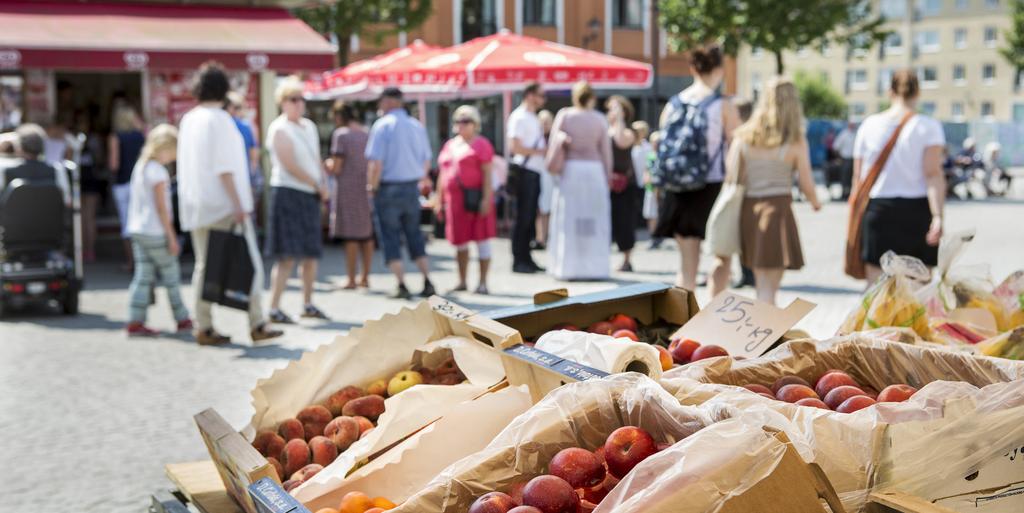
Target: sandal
(262, 332)
(278, 317)
(482, 290)
(312, 312)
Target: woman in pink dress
(465, 194)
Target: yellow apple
(379, 387)
(404, 380)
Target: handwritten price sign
(743, 326)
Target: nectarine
(857, 402)
(839, 395)
(759, 389)
(626, 447)
(832, 380)
(492, 502)
(682, 350)
(602, 327)
(579, 467)
(623, 322)
(665, 358)
(626, 334)
(708, 351)
(789, 380)
(793, 393)
(551, 494)
(812, 402)
(896, 393)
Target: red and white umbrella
(352, 80)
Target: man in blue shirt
(398, 154)
(236, 106)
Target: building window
(884, 79)
(929, 7)
(988, 73)
(960, 38)
(927, 108)
(756, 52)
(856, 80)
(858, 110)
(1018, 112)
(987, 111)
(893, 9)
(755, 84)
(538, 12)
(928, 41)
(959, 74)
(928, 76)
(893, 44)
(991, 36)
(628, 13)
(479, 18)
(956, 110)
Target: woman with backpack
(696, 127)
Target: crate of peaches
(854, 398)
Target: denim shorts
(397, 214)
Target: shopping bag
(723, 229)
(229, 270)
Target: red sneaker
(137, 329)
(185, 326)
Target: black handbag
(471, 198)
(229, 271)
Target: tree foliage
(772, 25)
(373, 19)
(1013, 51)
(818, 98)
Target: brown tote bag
(859, 203)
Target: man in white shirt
(214, 194)
(526, 140)
(843, 145)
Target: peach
(290, 485)
(342, 432)
(550, 494)
(812, 402)
(630, 334)
(268, 443)
(492, 502)
(314, 419)
(323, 449)
(758, 389)
(379, 387)
(665, 358)
(447, 367)
(602, 327)
(832, 380)
(304, 473)
(370, 406)
(449, 379)
(355, 502)
(708, 351)
(793, 393)
(840, 394)
(682, 350)
(383, 503)
(366, 433)
(338, 399)
(291, 429)
(857, 402)
(364, 424)
(896, 393)
(579, 467)
(326, 510)
(295, 455)
(623, 322)
(788, 380)
(278, 468)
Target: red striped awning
(118, 36)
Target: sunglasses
(295, 99)
(464, 122)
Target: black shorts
(685, 214)
(899, 225)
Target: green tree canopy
(373, 19)
(773, 25)
(1013, 52)
(818, 98)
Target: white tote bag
(723, 229)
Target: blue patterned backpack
(683, 158)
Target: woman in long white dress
(579, 238)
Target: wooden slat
(200, 483)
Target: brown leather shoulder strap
(883, 157)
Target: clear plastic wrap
(1006, 345)
(1011, 294)
(958, 287)
(851, 448)
(579, 414)
(891, 301)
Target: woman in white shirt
(297, 189)
(904, 213)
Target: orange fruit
(375, 510)
(355, 502)
(326, 510)
(382, 503)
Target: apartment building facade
(953, 45)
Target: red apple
(579, 467)
(896, 393)
(788, 380)
(623, 322)
(665, 358)
(793, 393)
(857, 402)
(626, 334)
(812, 402)
(551, 494)
(709, 351)
(682, 350)
(493, 502)
(599, 492)
(599, 452)
(758, 389)
(826, 383)
(602, 327)
(524, 509)
(626, 447)
(840, 394)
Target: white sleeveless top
(306, 148)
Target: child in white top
(154, 240)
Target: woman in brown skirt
(766, 152)
(350, 201)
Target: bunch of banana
(1008, 345)
(968, 298)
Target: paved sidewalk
(90, 418)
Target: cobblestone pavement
(90, 418)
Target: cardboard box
(376, 350)
(543, 372)
(928, 446)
